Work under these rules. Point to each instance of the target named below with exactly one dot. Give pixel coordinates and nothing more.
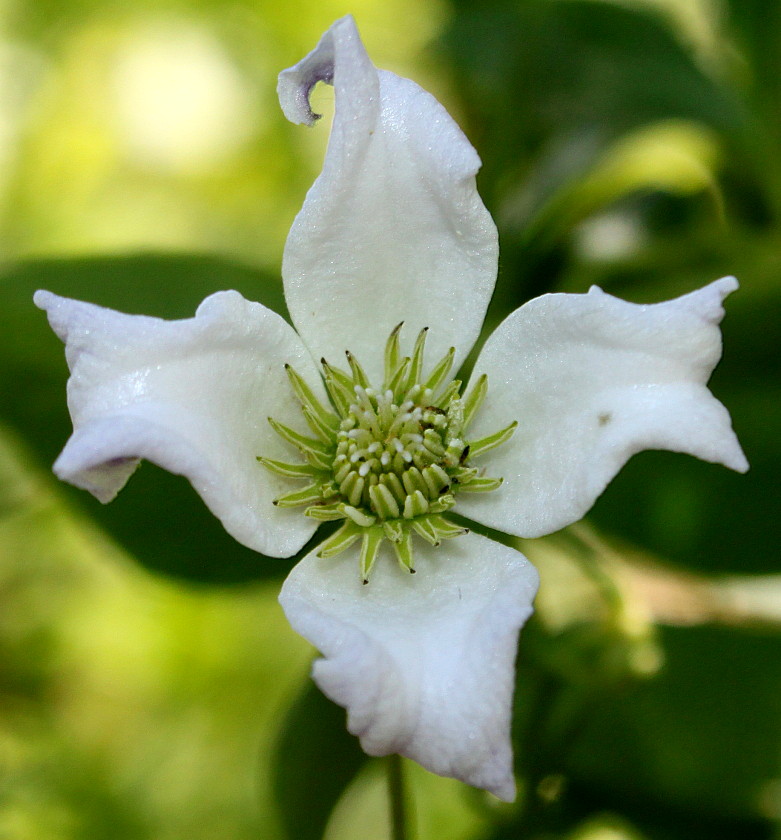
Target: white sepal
(423, 663)
(193, 396)
(393, 228)
(592, 380)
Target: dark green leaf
(548, 87)
(705, 735)
(316, 759)
(695, 749)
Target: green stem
(399, 811)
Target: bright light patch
(180, 101)
(609, 236)
(20, 72)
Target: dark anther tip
(412, 571)
(365, 581)
(275, 503)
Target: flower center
(396, 460)
(388, 462)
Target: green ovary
(388, 462)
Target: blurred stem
(673, 597)
(399, 811)
(592, 562)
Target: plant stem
(399, 812)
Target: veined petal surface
(193, 396)
(592, 380)
(424, 663)
(393, 228)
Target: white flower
(393, 231)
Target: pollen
(388, 462)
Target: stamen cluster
(388, 462)
(394, 460)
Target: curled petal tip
(43, 299)
(727, 285)
(505, 791)
(735, 459)
(295, 84)
(708, 301)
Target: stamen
(387, 459)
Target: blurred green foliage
(149, 687)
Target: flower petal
(192, 396)
(592, 380)
(393, 228)
(424, 663)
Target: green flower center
(389, 462)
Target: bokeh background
(149, 686)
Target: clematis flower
(392, 260)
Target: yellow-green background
(149, 685)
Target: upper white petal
(193, 396)
(592, 380)
(393, 228)
(423, 663)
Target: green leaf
(316, 759)
(158, 517)
(549, 88)
(704, 735)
